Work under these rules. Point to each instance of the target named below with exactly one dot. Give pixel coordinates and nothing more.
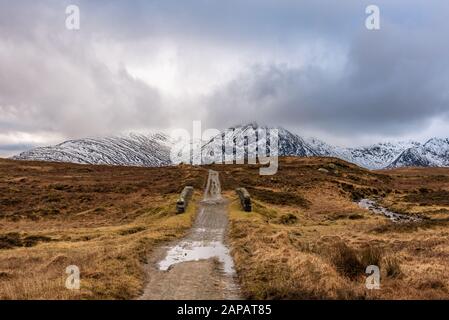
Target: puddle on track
(197, 250)
(205, 241)
(198, 266)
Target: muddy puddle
(202, 243)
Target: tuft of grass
(371, 255)
(352, 262)
(410, 226)
(346, 260)
(288, 219)
(392, 267)
(15, 239)
(278, 197)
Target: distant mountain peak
(433, 153)
(131, 149)
(153, 149)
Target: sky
(310, 66)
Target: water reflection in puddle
(198, 250)
(206, 241)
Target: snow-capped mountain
(379, 155)
(154, 150)
(433, 153)
(289, 144)
(376, 156)
(132, 150)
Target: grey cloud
(395, 81)
(344, 80)
(52, 80)
(234, 23)
(79, 98)
(8, 150)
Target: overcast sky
(309, 66)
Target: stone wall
(245, 199)
(184, 199)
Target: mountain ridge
(133, 149)
(154, 150)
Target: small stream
(393, 216)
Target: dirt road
(199, 266)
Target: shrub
(371, 256)
(392, 267)
(351, 262)
(346, 260)
(288, 218)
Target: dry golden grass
(110, 258)
(327, 260)
(105, 221)
(305, 239)
(319, 249)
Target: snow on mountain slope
(289, 144)
(379, 155)
(433, 153)
(154, 150)
(376, 156)
(324, 149)
(410, 158)
(132, 150)
(437, 151)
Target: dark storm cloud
(302, 64)
(145, 17)
(394, 81)
(52, 80)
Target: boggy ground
(102, 219)
(305, 239)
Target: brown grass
(305, 239)
(324, 253)
(105, 220)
